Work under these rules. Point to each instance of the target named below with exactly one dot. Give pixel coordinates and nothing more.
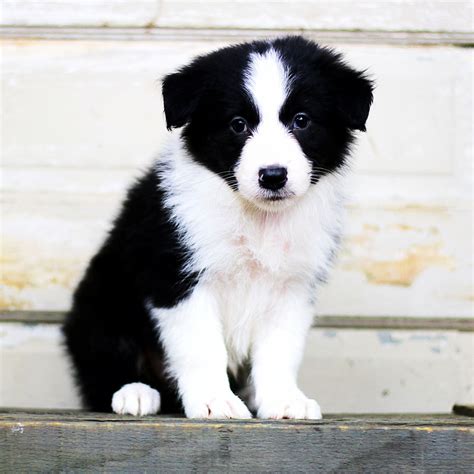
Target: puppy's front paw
(136, 399)
(292, 408)
(219, 406)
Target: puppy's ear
(181, 93)
(353, 93)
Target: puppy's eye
(238, 125)
(300, 121)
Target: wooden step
(63, 441)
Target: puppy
(202, 295)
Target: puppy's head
(271, 117)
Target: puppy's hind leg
(107, 369)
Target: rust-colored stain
(13, 303)
(40, 277)
(22, 270)
(403, 271)
(417, 208)
(15, 281)
(405, 227)
(371, 227)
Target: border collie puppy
(202, 295)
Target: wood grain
(56, 441)
(334, 322)
(235, 35)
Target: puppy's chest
(263, 251)
(240, 249)
(253, 267)
(258, 273)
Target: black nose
(272, 177)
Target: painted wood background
(82, 115)
(346, 370)
(82, 118)
(381, 15)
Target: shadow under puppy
(205, 287)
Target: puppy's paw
(220, 406)
(136, 399)
(301, 408)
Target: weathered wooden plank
(394, 323)
(394, 15)
(236, 35)
(68, 441)
(321, 321)
(361, 419)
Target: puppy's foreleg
(277, 352)
(191, 334)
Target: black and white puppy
(204, 289)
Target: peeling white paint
(386, 337)
(356, 371)
(13, 336)
(18, 428)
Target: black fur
(108, 332)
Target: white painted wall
(82, 115)
(347, 371)
(381, 15)
(82, 118)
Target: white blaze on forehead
(267, 81)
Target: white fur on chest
(249, 258)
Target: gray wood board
(229, 34)
(339, 322)
(58, 441)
